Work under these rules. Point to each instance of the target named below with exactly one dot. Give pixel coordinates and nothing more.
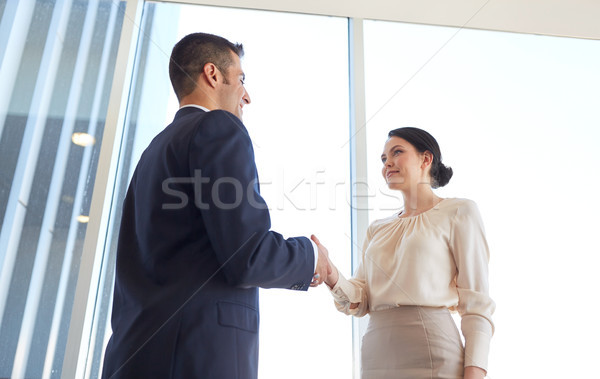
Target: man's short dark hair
(194, 51)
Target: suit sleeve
(236, 217)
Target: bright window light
(517, 118)
(83, 139)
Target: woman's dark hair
(190, 55)
(423, 141)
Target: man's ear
(211, 73)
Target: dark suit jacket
(194, 245)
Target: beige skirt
(412, 342)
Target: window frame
(547, 18)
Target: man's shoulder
(220, 124)
(224, 119)
(199, 128)
(190, 120)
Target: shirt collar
(196, 106)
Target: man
(195, 239)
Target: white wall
(567, 18)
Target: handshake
(325, 272)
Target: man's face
(233, 94)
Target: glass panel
(517, 118)
(297, 78)
(52, 88)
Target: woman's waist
(408, 314)
(384, 300)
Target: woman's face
(403, 166)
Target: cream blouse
(438, 258)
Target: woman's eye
(396, 152)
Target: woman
(416, 265)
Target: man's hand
(326, 271)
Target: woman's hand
(333, 276)
(473, 372)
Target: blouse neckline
(398, 215)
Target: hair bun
(441, 176)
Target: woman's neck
(419, 200)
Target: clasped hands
(325, 272)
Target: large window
(297, 78)
(517, 118)
(57, 60)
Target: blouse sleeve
(354, 290)
(471, 255)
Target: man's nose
(246, 97)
